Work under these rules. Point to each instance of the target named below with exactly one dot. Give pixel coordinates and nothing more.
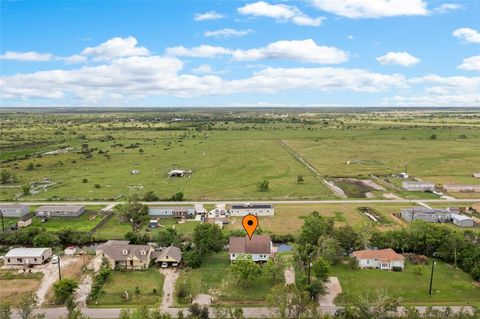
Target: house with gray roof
(259, 248)
(121, 255)
(14, 210)
(431, 215)
(171, 256)
(27, 256)
(253, 209)
(59, 211)
(462, 220)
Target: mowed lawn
(221, 169)
(214, 278)
(289, 218)
(85, 222)
(149, 283)
(450, 287)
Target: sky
(240, 53)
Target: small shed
(171, 255)
(24, 221)
(70, 251)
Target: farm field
(122, 284)
(450, 286)
(228, 153)
(214, 278)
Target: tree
(5, 311)
(26, 190)
(329, 248)
(64, 289)
(275, 267)
(245, 271)
(313, 228)
(177, 197)
(263, 186)
(197, 312)
(226, 312)
(167, 237)
(26, 305)
(73, 311)
(192, 258)
(433, 136)
(365, 231)
(6, 177)
(30, 167)
(348, 238)
(133, 211)
(208, 238)
(321, 269)
(300, 179)
(290, 302)
(46, 239)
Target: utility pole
(309, 265)
(3, 225)
(431, 274)
(59, 270)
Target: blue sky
(240, 53)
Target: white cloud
(471, 64)
(30, 56)
(399, 58)
(74, 59)
(211, 15)
(227, 33)
(304, 51)
(447, 7)
(350, 37)
(279, 12)
(202, 51)
(115, 48)
(467, 34)
(357, 9)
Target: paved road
(258, 312)
(332, 201)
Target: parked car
(164, 265)
(55, 259)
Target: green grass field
(113, 292)
(229, 157)
(450, 287)
(214, 278)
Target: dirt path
(50, 276)
(171, 277)
(289, 274)
(333, 288)
(84, 288)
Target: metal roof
(26, 252)
(246, 206)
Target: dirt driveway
(50, 276)
(333, 288)
(171, 276)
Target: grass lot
(84, 222)
(112, 229)
(14, 285)
(450, 287)
(214, 278)
(113, 292)
(289, 218)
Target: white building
(477, 175)
(380, 259)
(459, 188)
(27, 256)
(260, 248)
(418, 186)
(14, 210)
(253, 209)
(59, 211)
(462, 220)
(172, 211)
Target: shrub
(97, 186)
(397, 268)
(84, 180)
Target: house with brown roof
(380, 259)
(121, 255)
(260, 247)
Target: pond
(283, 248)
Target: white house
(459, 188)
(260, 247)
(381, 259)
(418, 186)
(462, 220)
(253, 209)
(59, 211)
(14, 210)
(172, 211)
(27, 256)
